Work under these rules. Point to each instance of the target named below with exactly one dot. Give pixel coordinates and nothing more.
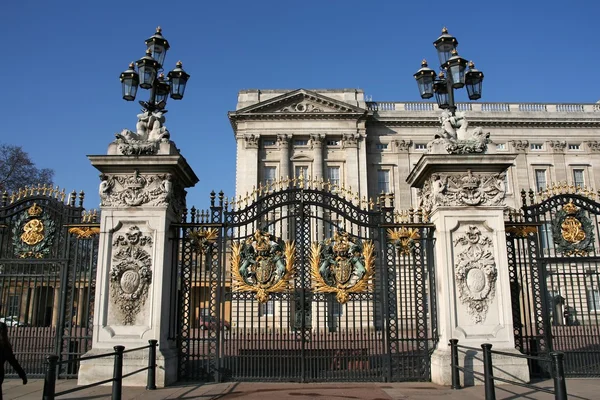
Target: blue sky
(62, 59)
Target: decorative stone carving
(463, 190)
(130, 273)
(302, 107)
(251, 141)
(594, 146)
(520, 146)
(137, 190)
(316, 140)
(283, 141)
(350, 140)
(150, 132)
(402, 145)
(475, 272)
(455, 137)
(558, 145)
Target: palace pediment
(298, 103)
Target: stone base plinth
(511, 368)
(100, 369)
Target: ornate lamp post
(453, 75)
(149, 76)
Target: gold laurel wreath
(262, 292)
(342, 292)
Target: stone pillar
(284, 151)
(142, 193)
(316, 142)
(351, 178)
(522, 179)
(403, 196)
(560, 168)
(247, 164)
(464, 196)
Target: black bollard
(151, 385)
(50, 378)
(488, 372)
(560, 385)
(454, 364)
(117, 386)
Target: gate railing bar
(555, 358)
(49, 392)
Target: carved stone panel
(475, 272)
(141, 190)
(130, 274)
(463, 190)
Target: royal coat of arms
(342, 265)
(572, 231)
(262, 264)
(33, 233)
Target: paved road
(578, 389)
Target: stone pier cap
(175, 165)
(477, 163)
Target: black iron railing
(555, 359)
(117, 379)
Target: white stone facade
(372, 146)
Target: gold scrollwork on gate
(404, 238)
(521, 231)
(33, 233)
(342, 265)
(84, 232)
(573, 231)
(262, 264)
(203, 238)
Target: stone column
(351, 178)
(316, 142)
(560, 168)
(247, 164)
(464, 196)
(283, 142)
(403, 196)
(284, 150)
(522, 179)
(142, 193)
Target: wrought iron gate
(304, 284)
(554, 258)
(48, 256)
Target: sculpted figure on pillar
(454, 137)
(316, 140)
(283, 141)
(150, 132)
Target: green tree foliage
(17, 170)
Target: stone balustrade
(379, 106)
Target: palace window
(268, 142)
(301, 142)
(301, 170)
(578, 179)
(12, 306)
(500, 146)
(420, 146)
(381, 146)
(540, 180)
(267, 308)
(593, 299)
(270, 175)
(333, 175)
(333, 142)
(383, 181)
(536, 146)
(574, 146)
(547, 238)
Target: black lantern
(162, 91)
(425, 77)
(178, 78)
(440, 88)
(158, 46)
(444, 45)
(473, 80)
(456, 66)
(147, 68)
(129, 83)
